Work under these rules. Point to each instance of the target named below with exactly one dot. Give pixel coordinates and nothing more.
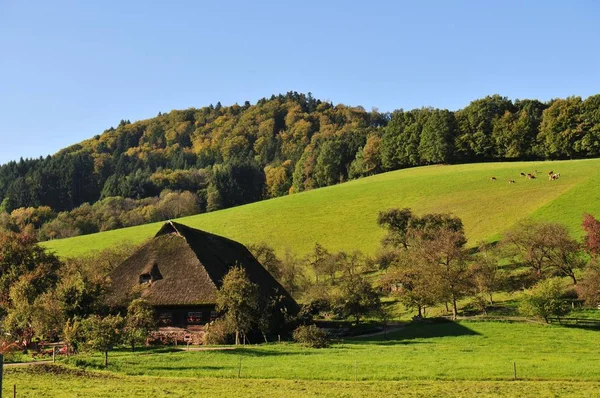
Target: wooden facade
(184, 316)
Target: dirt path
(208, 348)
(23, 364)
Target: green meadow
(344, 216)
(461, 359)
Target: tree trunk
(105, 358)
(237, 337)
(420, 312)
(454, 308)
(491, 299)
(132, 346)
(447, 309)
(574, 279)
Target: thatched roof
(186, 266)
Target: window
(150, 274)
(194, 318)
(165, 319)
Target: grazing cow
(511, 181)
(522, 174)
(530, 176)
(493, 179)
(550, 172)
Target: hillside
(344, 216)
(227, 156)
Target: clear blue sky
(69, 70)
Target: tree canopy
(230, 155)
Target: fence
(582, 322)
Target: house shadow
(431, 328)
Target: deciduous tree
(103, 334)
(238, 299)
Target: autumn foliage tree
(414, 281)
(426, 257)
(546, 247)
(591, 226)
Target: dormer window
(150, 274)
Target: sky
(71, 69)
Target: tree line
(232, 155)
(106, 214)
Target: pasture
(442, 359)
(344, 216)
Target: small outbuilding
(180, 271)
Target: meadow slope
(344, 216)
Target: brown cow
(493, 179)
(522, 174)
(511, 181)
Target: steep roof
(186, 266)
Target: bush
(311, 336)
(217, 332)
(545, 300)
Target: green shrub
(545, 300)
(217, 332)
(311, 336)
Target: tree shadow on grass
(420, 330)
(253, 352)
(188, 368)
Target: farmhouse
(180, 271)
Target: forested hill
(237, 154)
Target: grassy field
(60, 383)
(344, 216)
(450, 359)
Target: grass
(467, 350)
(447, 359)
(48, 383)
(344, 216)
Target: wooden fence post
(1, 372)
(515, 370)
